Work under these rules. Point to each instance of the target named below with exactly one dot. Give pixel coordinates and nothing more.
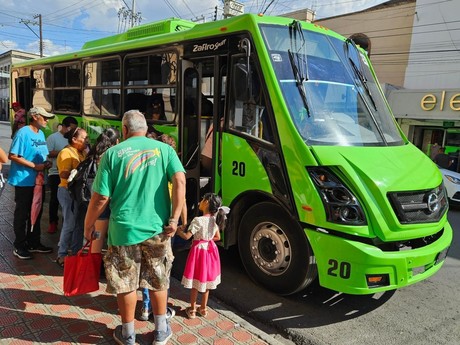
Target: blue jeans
(72, 231)
(146, 299)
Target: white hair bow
(225, 209)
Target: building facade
(6, 60)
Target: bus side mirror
(241, 82)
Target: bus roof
(168, 31)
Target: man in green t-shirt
(133, 176)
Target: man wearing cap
(19, 117)
(28, 153)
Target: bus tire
(275, 250)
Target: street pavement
(34, 310)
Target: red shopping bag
(82, 271)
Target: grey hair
(135, 121)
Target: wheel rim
(270, 248)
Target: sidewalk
(33, 309)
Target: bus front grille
(419, 206)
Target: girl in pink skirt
(202, 269)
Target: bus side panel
(241, 169)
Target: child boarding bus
(304, 149)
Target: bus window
(41, 88)
(101, 93)
(250, 116)
(150, 85)
(67, 92)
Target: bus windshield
(329, 89)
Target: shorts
(105, 215)
(146, 265)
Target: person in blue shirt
(28, 154)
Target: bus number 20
(239, 168)
(343, 269)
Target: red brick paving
(34, 310)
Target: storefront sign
(431, 101)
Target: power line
(172, 8)
(79, 3)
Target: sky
(68, 24)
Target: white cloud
(8, 45)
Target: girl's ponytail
(221, 217)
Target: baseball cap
(41, 111)
(15, 104)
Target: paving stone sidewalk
(33, 309)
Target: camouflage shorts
(146, 265)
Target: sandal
(59, 261)
(203, 312)
(191, 313)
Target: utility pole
(127, 17)
(132, 14)
(41, 32)
(40, 37)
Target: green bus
(321, 182)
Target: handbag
(82, 271)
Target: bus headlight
(341, 205)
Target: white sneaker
(145, 314)
(170, 312)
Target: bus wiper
(358, 71)
(295, 29)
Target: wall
(435, 57)
(389, 28)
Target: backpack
(80, 181)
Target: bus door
(200, 106)
(21, 90)
(189, 143)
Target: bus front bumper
(358, 268)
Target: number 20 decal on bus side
(239, 168)
(342, 269)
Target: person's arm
(216, 236)
(22, 161)
(3, 156)
(53, 153)
(185, 235)
(51, 143)
(191, 230)
(183, 214)
(178, 197)
(96, 206)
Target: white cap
(40, 111)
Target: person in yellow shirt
(71, 237)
